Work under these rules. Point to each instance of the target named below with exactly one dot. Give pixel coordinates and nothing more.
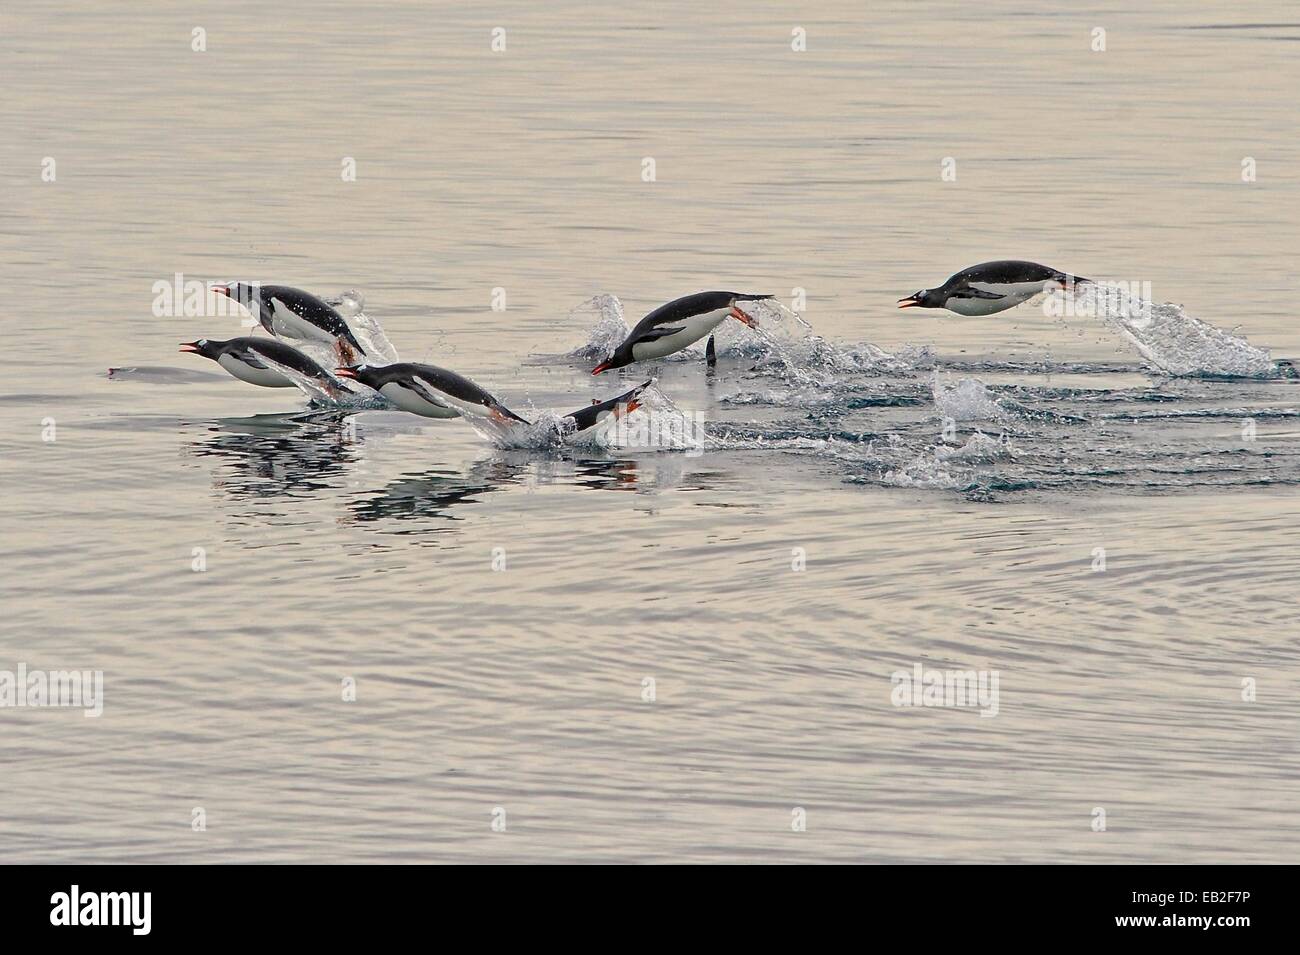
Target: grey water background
(362, 547)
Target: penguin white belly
(254, 376)
(693, 329)
(1013, 294)
(288, 324)
(408, 400)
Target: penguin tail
(503, 414)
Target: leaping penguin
(429, 391)
(598, 412)
(991, 287)
(679, 323)
(292, 313)
(251, 359)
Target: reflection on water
(432, 494)
(284, 454)
(314, 452)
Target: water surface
(949, 500)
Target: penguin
(292, 313)
(598, 412)
(991, 287)
(251, 359)
(679, 323)
(429, 391)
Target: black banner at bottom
(210, 904)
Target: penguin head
(203, 347)
(925, 298)
(247, 294)
(366, 374)
(622, 356)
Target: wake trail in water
(784, 344)
(1164, 334)
(911, 418)
(656, 425)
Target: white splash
(967, 400)
(351, 304)
(656, 425)
(784, 342)
(978, 449)
(358, 396)
(608, 329)
(1175, 342)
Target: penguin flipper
(971, 292)
(427, 393)
(250, 358)
(654, 334)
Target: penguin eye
(202, 342)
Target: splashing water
(335, 394)
(1170, 339)
(969, 400)
(783, 343)
(785, 336)
(547, 432)
(608, 330)
(351, 304)
(656, 425)
(978, 449)
(947, 467)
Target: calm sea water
(950, 506)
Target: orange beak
(603, 366)
(621, 410)
(908, 303)
(221, 290)
(345, 373)
(189, 346)
(743, 317)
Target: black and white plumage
(679, 323)
(254, 360)
(598, 412)
(429, 391)
(991, 287)
(291, 313)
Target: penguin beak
(908, 303)
(345, 373)
(189, 346)
(221, 290)
(740, 315)
(603, 366)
